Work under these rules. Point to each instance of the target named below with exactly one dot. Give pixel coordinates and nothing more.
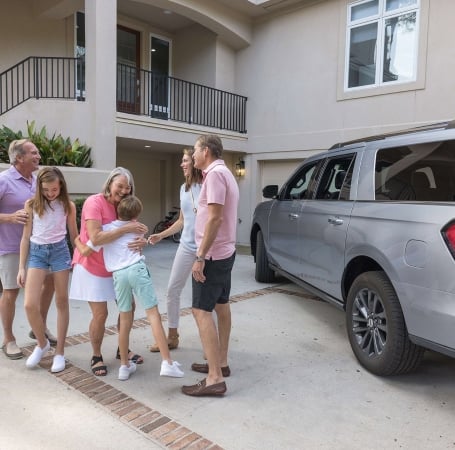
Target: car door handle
(293, 216)
(335, 221)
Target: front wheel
(376, 327)
(263, 272)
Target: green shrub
(54, 151)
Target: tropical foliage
(55, 151)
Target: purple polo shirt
(219, 186)
(15, 190)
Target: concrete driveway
(295, 384)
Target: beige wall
(24, 34)
(194, 55)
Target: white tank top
(51, 227)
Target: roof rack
(434, 126)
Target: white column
(100, 79)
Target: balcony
(139, 92)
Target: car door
(324, 226)
(285, 217)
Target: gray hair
(117, 172)
(16, 148)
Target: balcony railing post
(36, 77)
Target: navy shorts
(217, 285)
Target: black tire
(376, 327)
(176, 237)
(263, 273)
(159, 227)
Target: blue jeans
(53, 257)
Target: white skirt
(90, 288)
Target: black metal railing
(148, 93)
(41, 77)
(139, 91)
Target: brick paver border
(160, 429)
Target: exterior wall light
(240, 168)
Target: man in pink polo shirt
(215, 233)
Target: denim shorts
(134, 280)
(53, 257)
(217, 285)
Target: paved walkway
(294, 384)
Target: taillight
(448, 233)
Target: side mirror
(270, 191)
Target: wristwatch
(199, 259)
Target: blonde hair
(39, 201)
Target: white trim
(152, 35)
(380, 20)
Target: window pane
(390, 5)
(298, 188)
(400, 42)
(362, 60)
(418, 172)
(364, 10)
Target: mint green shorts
(134, 280)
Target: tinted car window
(418, 172)
(335, 179)
(301, 186)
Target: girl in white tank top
(44, 249)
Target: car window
(336, 178)
(421, 172)
(301, 185)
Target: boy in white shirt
(132, 277)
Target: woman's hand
(135, 227)
(154, 238)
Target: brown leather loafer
(204, 368)
(202, 390)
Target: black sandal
(95, 360)
(137, 359)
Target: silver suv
(369, 226)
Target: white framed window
(381, 43)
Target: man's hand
(198, 271)
(20, 217)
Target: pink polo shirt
(96, 207)
(219, 186)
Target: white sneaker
(58, 364)
(125, 371)
(34, 359)
(171, 370)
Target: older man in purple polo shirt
(215, 233)
(17, 184)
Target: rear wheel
(376, 327)
(176, 237)
(263, 272)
